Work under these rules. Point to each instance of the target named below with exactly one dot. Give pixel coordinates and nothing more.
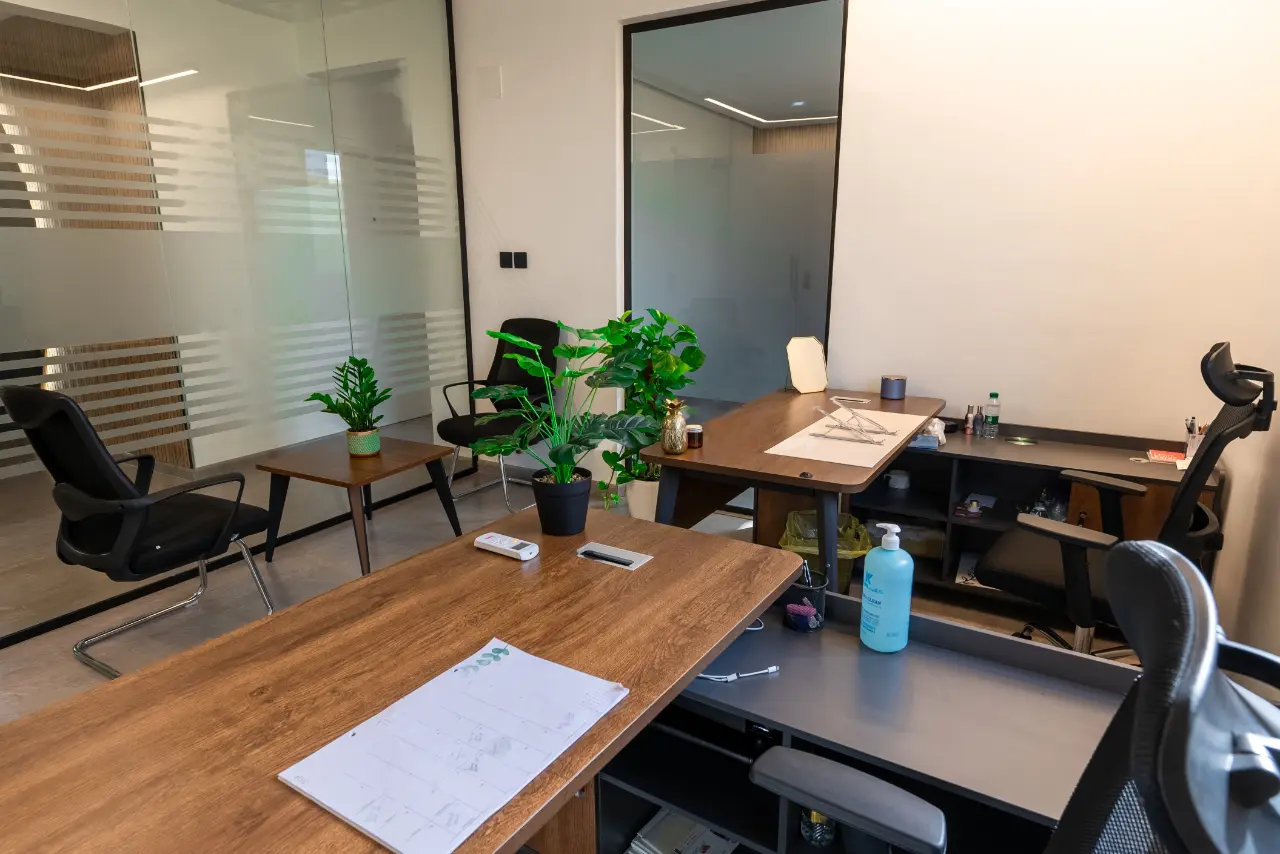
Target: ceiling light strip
(769, 121)
(281, 122)
(95, 87)
(665, 125)
(173, 76)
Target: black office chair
(113, 524)
(1188, 764)
(461, 430)
(1058, 565)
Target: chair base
(110, 672)
(502, 479)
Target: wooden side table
(327, 461)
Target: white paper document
(422, 775)
(842, 452)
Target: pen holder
(804, 606)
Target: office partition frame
(628, 30)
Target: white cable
(733, 677)
(756, 628)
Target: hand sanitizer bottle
(886, 593)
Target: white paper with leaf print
(422, 775)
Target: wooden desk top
(735, 443)
(183, 755)
(327, 461)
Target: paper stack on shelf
(668, 833)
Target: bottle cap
(890, 539)
(993, 394)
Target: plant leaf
(500, 392)
(490, 417)
(532, 366)
(514, 340)
(693, 357)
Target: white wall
(1088, 186)
(1084, 194)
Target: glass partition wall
(204, 206)
(732, 163)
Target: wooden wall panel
(795, 138)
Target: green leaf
(659, 317)
(578, 351)
(532, 366)
(490, 417)
(582, 334)
(500, 392)
(685, 335)
(693, 357)
(611, 458)
(514, 340)
(497, 446)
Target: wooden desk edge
(557, 802)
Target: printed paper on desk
(809, 447)
(423, 774)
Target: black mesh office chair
(1188, 764)
(1058, 565)
(113, 524)
(461, 430)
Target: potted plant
(568, 427)
(357, 395)
(651, 362)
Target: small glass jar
(694, 432)
(816, 829)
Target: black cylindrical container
(562, 507)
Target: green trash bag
(852, 541)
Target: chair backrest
(1238, 387)
(504, 371)
(65, 441)
(1161, 779)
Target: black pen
(620, 561)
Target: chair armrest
(1101, 481)
(445, 391)
(1064, 532)
(76, 505)
(146, 468)
(869, 804)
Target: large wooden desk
(698, 482)
(183, 755)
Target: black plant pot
(562, 507)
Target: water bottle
(991, 417)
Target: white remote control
(509, 546)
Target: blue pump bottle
(886, 593)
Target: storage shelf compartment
(918, 503)
(700, 783)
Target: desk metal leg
(668, 486)
(367, 494)
(436, 469)
(354, 498)
(275, 510)
(828, 525)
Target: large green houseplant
(356, 396)
(562, 420)
(651, 358)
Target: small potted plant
(568, 427)
(651, 362)
(357, 395)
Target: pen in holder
(805, 602)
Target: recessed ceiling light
(797, 103)
(173, 76)
(769, 121)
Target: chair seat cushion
(1030, 566)
(463, 430)
(185, 528)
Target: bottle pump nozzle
(890, 539)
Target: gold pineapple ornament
(675, 428)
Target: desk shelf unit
(1015, 475)
(685, 762)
